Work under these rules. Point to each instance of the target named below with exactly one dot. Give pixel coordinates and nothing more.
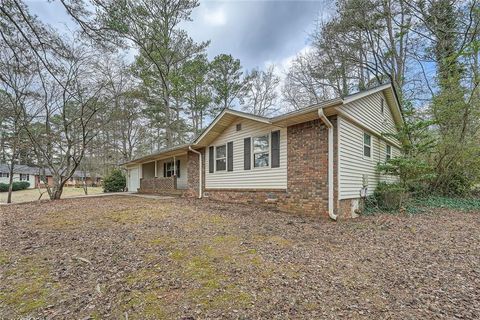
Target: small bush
(23, 185)
(16, 186)
(115, 182)
(389, 196)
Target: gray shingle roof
(24, 169)
(19, 168)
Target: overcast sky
(256, 32)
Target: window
(261, 146)
(382, 105)
(221, 158)
(239, 126)
(170, 169)
(388, 152)
(24, 177)
(367, 145)
(4, 175)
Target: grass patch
(146, 305)
(223, 299)
(178, 255)
(4, 258)
(28, 286)
(164, 241)
(142, 276)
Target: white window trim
(365, 145)
(269, 135)
(388, 154)
(215, 157)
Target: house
(319, 160)
(31, 174)
(20, 173)
(80, 177)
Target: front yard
(33, 194)
(124, 257)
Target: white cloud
(283, 64)
(214, 17)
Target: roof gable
(389, 95)
(222, 122)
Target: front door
(133, 180)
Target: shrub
(16, 186)
(115, 182)
(389, 196)
(22, 185)
(414, 175)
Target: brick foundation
(349, 208)
(271, 198)
(158, 185)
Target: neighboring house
(20, 173)
(31, 174)
(80, 177)
(315, 160)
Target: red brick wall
(192, 173)
(307, 148)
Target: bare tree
(261, 92)
(63, 121)
(16, 80)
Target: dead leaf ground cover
(127, 257)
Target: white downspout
(199, 171)
(329, 125)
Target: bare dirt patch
(121, 257)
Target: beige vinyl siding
(352, 163)
(255, 178)
(367, 111)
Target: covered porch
(174, 171)
(165, 175)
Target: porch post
(156, 169)
(174, 167)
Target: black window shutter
(164, 169)
(247, 153)
(230, 156)
(276, 149)
(211, 160)
(178, 168)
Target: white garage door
(133, 180)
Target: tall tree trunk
(10, 180)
